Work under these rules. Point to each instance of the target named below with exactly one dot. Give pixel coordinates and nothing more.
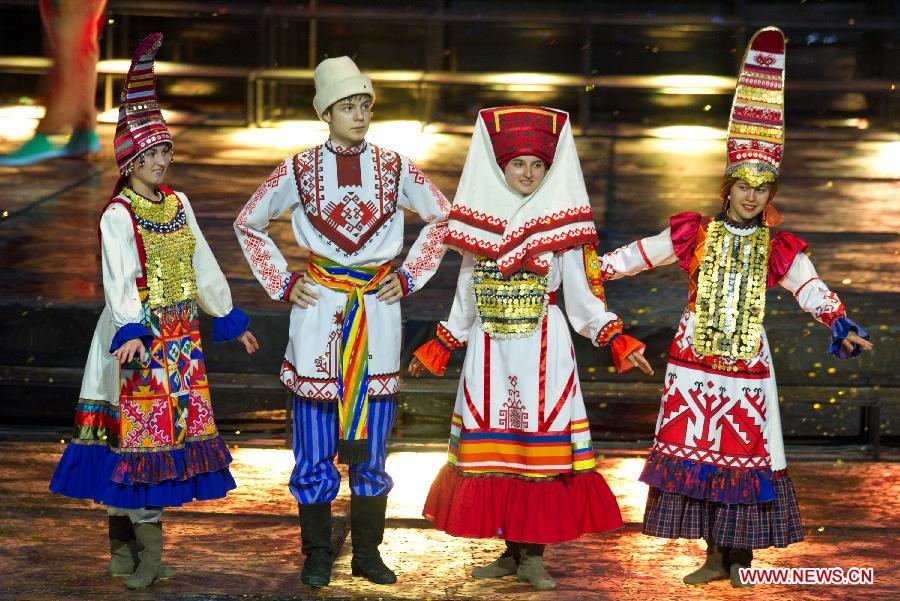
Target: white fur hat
(338, 78)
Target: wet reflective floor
(246, 546)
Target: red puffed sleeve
(683, 228)
(783, 249)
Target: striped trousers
(315, 478)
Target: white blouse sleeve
(276, 195)
(587, 313)
(638, 256)
(121, 266)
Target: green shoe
(123, 552)
(712, 569)
(736, 581)
(150, 537)
(37, 149)
(531, 570)
(500, 567)
(82, 142)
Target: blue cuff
(839, 330)
(230, 326)
(130, 331)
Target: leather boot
(123, 552)
(367, 532)
(531, 567)
(150, 537)
(712, 569)
(505, 565)
(315, 537)
(739, 558)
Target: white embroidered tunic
(344, 207)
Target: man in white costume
(343, 358)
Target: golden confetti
(829, 184)
(707, 107)
(846, 281)
(817, 406)
(832, 370)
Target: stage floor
(246, 546)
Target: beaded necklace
(731, 291)
(168, 246)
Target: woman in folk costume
(145, 437)
(717, 468)
(521, 464)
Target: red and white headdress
(756, 127)
(490, 219)
(141, 124)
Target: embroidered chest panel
(731, 292)
(348, 216)
(508, 308)
(168, 247)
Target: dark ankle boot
(315, 536)
(367, 532)
(123, 551)
(712, 569)
(739, 558)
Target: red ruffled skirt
(544, 511)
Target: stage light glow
(413, 473)
(689, 132)
(688, 139)
(17, 122)
(405, 137)
(887, 162)
(693, 84)
(622, 476)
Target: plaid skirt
(739, 526)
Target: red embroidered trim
(832, 316)
(286, 295)
(526, 256)
(804, 284)
(608, 331)
(486, 385)
(644, 255)
(447, 339)
(480, 220)
(542, 377)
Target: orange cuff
(622, 346)
(434, 356)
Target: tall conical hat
(141, 124)
(756, 126)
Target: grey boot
(367, 532)
(531, 568)
(150, 537)
(505, 565)
(123, 553)
(739, 558)
(712, 569)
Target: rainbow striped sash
(353, 380)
